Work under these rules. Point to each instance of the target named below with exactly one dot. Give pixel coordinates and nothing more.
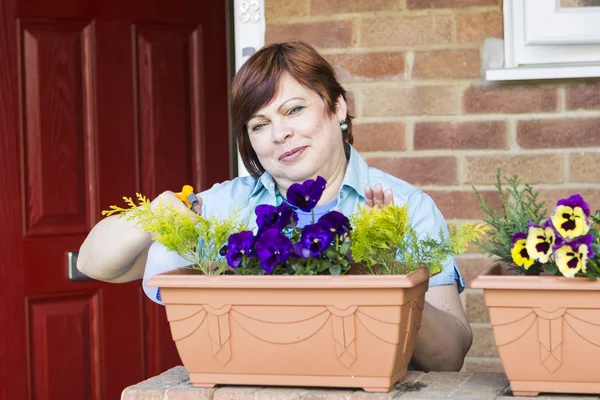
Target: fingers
(388, 197)
(168, 198)
(376, 197)
(197, 205)
(369, 202)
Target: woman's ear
(341, 109)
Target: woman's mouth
(292, 155)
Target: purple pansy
(314, 241)
(587, 240)
(268, 216)
(517, 236)
(575, 201)
(272, 248)
(239, 245)
(305, 196)
(335, 222)
(569, 218)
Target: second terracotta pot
(547, 330)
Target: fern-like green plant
(519, 205)
(384, 241)
(198, 241)
(376, 235)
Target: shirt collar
(356, 176)
(357, 172)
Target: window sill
(545, 72)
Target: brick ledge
(174, 384)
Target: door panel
(54, 63)
(77, 355)
(99, 100)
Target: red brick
(470, 268)
(326, 34)
(332, 7)
(368, 66)
(476, 308)
(379, 137)
(406, 30)
(460, 135)
(419, 170)
(483, 342)
(420, 4)
(351, 103)
(446, 64)
(532, 169)
(511, 101)
(583, 97)
(462, 204)
(474, 27)
(280, 9)
(389, 101)
(584, 167)
(479, 364)
(558, 133)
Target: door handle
(73, 272)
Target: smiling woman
(291, 121)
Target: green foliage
(384, 241)
(197, 240)
(519, 205)
(377, 234)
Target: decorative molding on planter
(273, 326)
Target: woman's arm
(445, 335)
(116, 249)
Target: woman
(291, 121)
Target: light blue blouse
(247, 192)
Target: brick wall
(423, 113)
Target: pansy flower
(272, 248)
(313, 242)
(572, 257)
(570, 217)
(280, 217)
(519, 252)
(540, 242)
(239, 245)
(335, 222)
(306, 195)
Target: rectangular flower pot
(336, 331)
(547, 330)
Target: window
(546, 39)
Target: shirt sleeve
(160, 260)
(427, 219)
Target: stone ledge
(174, 384)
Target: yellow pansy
(519, 253)
(539, 243)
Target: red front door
(98, 99)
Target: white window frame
(544, 41)
(249, 33)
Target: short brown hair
(257, 82)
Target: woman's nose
(281, 132)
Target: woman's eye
(295, 110)
(257, 127)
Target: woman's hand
(169, 198)
(376, 197)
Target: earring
(344, 126)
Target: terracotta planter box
(547, 330)
(337, 331)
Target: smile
(292, 155)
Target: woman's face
(295, 138)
